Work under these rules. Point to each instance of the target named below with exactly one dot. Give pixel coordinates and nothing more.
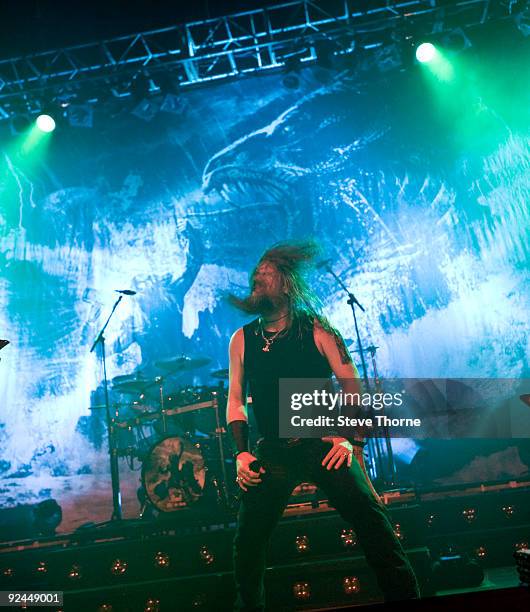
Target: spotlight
(456, 571)
(206, 555)
(397, 531)
(80, 115)
(302, 543)
(118, 567)
(162, 559)
(351, 585)
(9, 572)
(481, 552)
(74, 573)
(199, 601)
(508, 511)
(152, 605)
(431, 519)
(105, 607)
(348, 538)
(455, 41)
(522, 559)
(45, 123)
(48, 516)
(301, 590)
(425, 52)
(469, 514)
(41, 568)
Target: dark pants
(347, 490)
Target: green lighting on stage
(435, 61)
(45, 123)
(426, 52)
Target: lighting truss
(231, 46)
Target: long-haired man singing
(291, 339)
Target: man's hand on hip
(340, 452)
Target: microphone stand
(353, 301)
(113, 456)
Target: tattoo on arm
(344, 353)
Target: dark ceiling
(28, 26)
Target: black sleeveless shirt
(293, 355)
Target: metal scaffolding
(226, 47)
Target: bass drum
(174, 474)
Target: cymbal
(127, 377)
(182, 363)
(114, 405)
(133, 387)
(220, 374)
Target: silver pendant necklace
(269, 341)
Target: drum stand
(219, 435)
(113, 455)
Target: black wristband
(239, 431)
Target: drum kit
(176, 434)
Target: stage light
(469, 514)
(80, 115)
(455, 41)
(431, 519)
(425, 52)
(199, 601)
(118, 567)
(152, 605)
(520, 546)
(41, 568)
(301, 590)
(456, 571)
(302, 543)
(351, 585)
(9, 572)
(45, 123)
(206, 555)
(74, 573)
(522, 560)
(481, 552)
(508, 511)
(348, 538)
(162, 559)
(105, 608)
(397, 531)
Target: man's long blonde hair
(294, 261)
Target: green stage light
(45, 123)
(425, 52)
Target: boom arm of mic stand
(352, 301)
(100, 335)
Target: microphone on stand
(125, 291)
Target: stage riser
(301, 544)
(325, 580)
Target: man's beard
(259, 304)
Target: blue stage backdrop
(420, 200)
